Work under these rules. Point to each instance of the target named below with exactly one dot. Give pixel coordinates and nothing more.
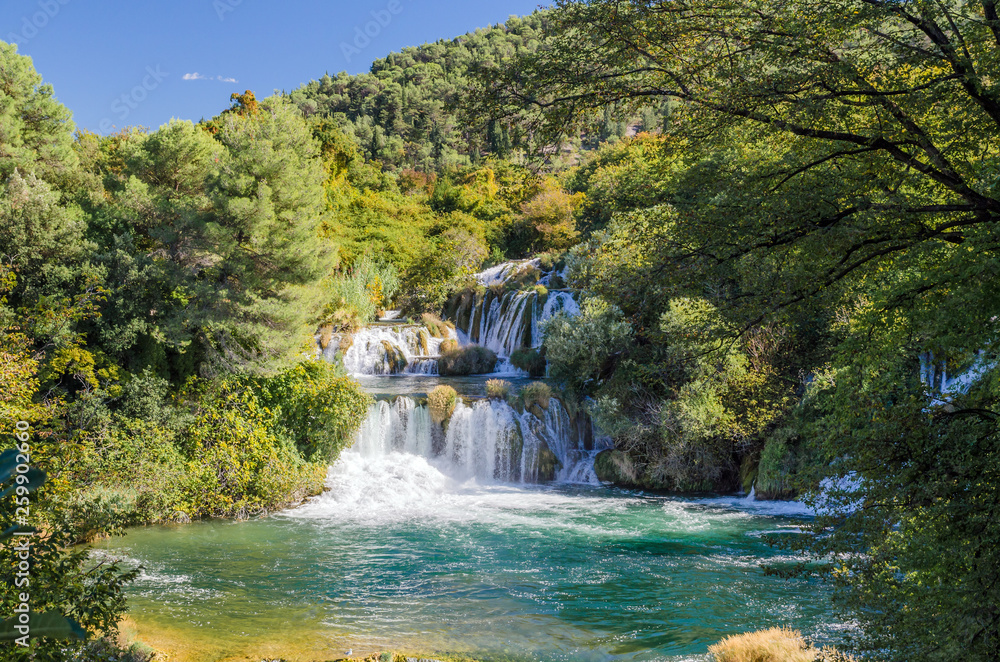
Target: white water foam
(485, 440)
(499, 274)
(383, 350)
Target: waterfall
(387, 350)
(501, 273)
(512, 320)
(942, 388)
(486, 440)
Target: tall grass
(356, 295)
(774, 645)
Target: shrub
(262, 443)
(532, 361)
(776, 471)
(319, 410)
(239, 467)
(355, 296)
(136, 468)
(578, 348)
(550, 260)
(538, 393)
(437, 328)
(470, 360)
(442, 402)
(774, 645)
(449, 345)
(497, 389)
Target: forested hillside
(409, 111)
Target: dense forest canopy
(408, 111)
(826, 189)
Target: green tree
(36, 132)
(841, 163)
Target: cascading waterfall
(942, 387)
(507, 322)
(388, 350)
(499, 274)
(486, 440)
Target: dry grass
(538, 393)
(774, 645)
(441, 402)
(325, 335)
(435, 326)
(497, 389)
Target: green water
(399, 556)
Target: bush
(442, 402)
(355, 296)
(538, 393)
(532, 361)
(776, 471)
(437, 328)
(239, 467)
(262, 443)
(448, 345)
(774, 645)
(470, 360)
(550, 260)
(578, 348)
(497, 389)
(136, 469)
(319, 410)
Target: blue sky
(117, 63)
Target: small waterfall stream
(486, 440)
(390, 349)
(510, 321)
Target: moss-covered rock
(541, 464)
(325, 335)
(395, 358)
(435, 326)
(528, 276)
(470, 360)
(538, 394)
(776, 473)
(616, 467)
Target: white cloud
(197, 76)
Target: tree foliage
(826, 180)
